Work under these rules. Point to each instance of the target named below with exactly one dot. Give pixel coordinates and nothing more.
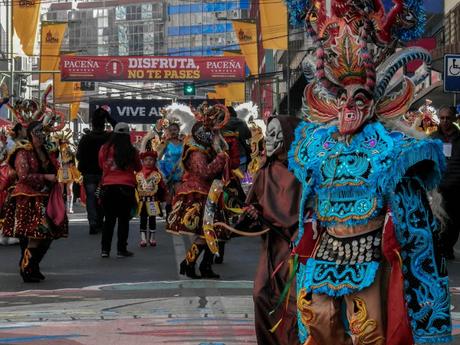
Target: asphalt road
(75, 262)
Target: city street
(141, 300)
(86, 299)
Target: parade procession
(276, 172)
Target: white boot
(152, 240)
(143, 242)
(70, 203)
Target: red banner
(136, 137)
(189, 68)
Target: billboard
(141, 111)
(166, 68)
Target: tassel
(277, 269)
(273, 329)
(293, 268)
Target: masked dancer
(35, 211)
(204, 160)
(369, 185)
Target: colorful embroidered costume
(25, 214)
(151, 190)
(201, 166)
(204, 160)
(170, 165)
(34, 210)
(368, 186)
(68, 172)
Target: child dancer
(151, 190)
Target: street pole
(259, 85)
(277, 90)
(288, 77)
(9, 16)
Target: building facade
(118, 27)
(203, 27)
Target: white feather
(183, 114)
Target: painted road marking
(37, 338)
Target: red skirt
(25, 216)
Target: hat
(146, 154)
(122, 128)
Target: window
(146, 11)
(120, 13)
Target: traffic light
(20, 84)
(189, 89)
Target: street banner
(145, 111)
(169, 68)
(73, 111)
(274, 24)
(52, 35)
(247, 38)
(25, 22)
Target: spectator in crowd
(119, 160)
(87, 156)
(240, 127)
(449, 133)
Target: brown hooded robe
(276, 194)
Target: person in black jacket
(237, 125)
(87, 156)
(449, 134)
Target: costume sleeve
(22, 167)
(198, 164)
(426, 284)
(7, 177)
(233, 152)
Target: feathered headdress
(26, 111)
(182, 115)
(214, 117)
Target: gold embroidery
(173, 215)
(192, 254)
(363, 327)
(26, 259)
(304, 305)
(192, 217)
